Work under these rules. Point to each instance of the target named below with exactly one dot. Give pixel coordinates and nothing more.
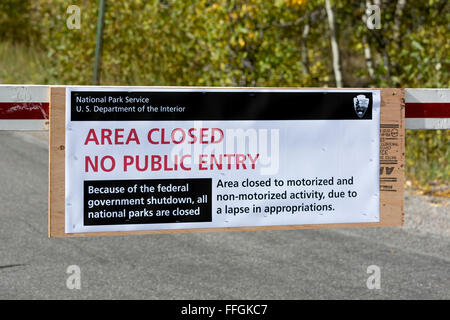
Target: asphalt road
(306, 264)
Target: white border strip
(23, 125)
(28, 93)
(427, 95)
(427, 123)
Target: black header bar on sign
(219, 105)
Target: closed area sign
(188, 158)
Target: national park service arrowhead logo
(360, 103)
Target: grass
(427, 155)
(23, 65)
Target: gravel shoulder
(427, 215)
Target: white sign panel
(152, 159)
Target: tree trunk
(334, 45)
(366, 47)
(398, 18)
(368, 57)
(305, 58)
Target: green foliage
(427, 157)
(15, 21)
(237, 43)
(193, 42)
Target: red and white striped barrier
(25, 107)
(427, 109)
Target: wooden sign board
(391, 169)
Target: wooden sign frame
(392, 154)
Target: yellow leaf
(296, 3)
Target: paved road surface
(309, 264)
